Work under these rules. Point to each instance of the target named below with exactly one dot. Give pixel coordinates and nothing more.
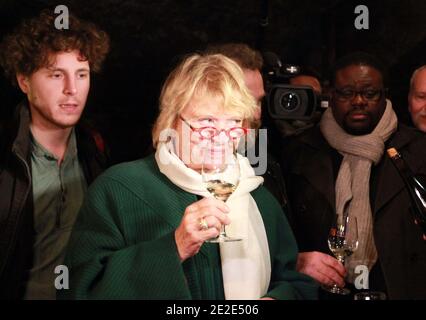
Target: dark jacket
(273, 176)
(311, 167)
(274, 182)
(16, 205)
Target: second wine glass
(342, 241)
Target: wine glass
(221, 174)
(342, 241)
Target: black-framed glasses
(366, 94)
(210, 132)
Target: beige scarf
(246, 266)
(353, 180)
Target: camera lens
(290, 101)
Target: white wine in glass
(220, 189)
(340, 248)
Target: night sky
(149, 37)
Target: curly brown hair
(32, 43)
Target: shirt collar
(40, 151)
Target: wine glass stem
(222, 231)
(342, 261)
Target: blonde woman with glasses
(142, 231)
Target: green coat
(122, 245)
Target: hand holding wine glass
(342, 241)
(189, 236)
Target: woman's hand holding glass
(201, 221)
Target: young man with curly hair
(47, 157)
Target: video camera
(285, 101)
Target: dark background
(148, 38)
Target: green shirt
(58, 192)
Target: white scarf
(246, 265)
(353, 180)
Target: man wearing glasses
(340, 167)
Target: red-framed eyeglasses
(210, 132)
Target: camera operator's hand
(324, 268)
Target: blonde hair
(203, 75)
